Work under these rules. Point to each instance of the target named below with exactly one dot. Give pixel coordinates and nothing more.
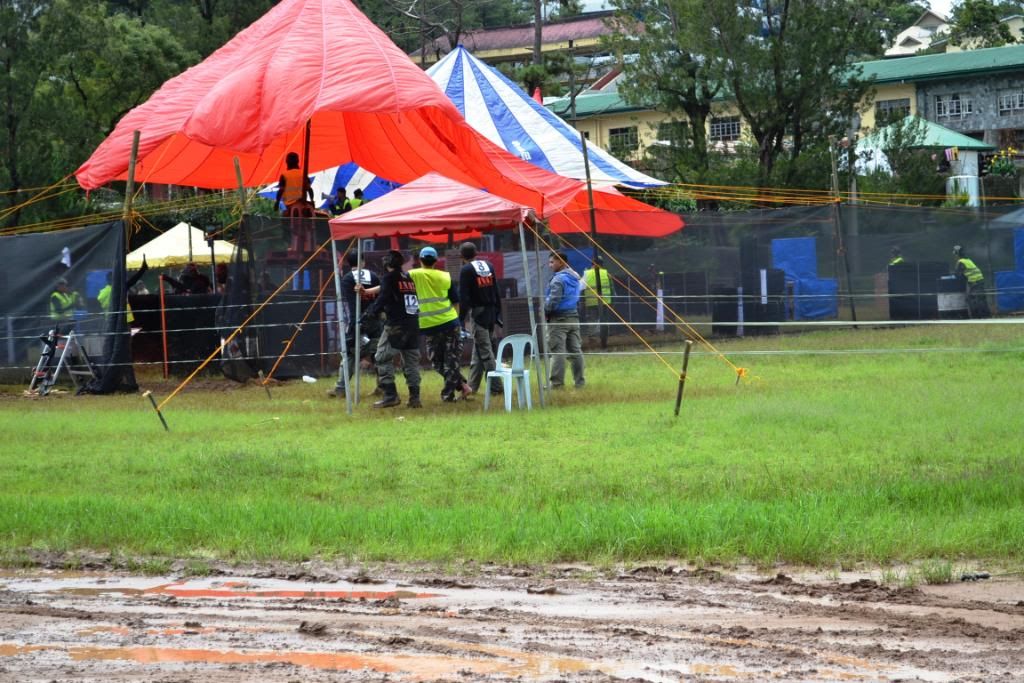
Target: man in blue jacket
(560, 300)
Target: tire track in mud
(650, 624)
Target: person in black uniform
(370, 330)
(396, 298)
(480, 302)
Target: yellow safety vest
(971, 271)
(896, 261)
(590, 293)
(355, 202)
(104, 298)
(432, 287)
(62, 306)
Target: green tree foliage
(783, 65)
(976, 23)
(786, 67)
(912, 170)
(661, 70)
(22, 70)
(889, 18)
(416, 24)
(81, 69)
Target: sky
(942, 6)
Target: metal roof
(946, 65)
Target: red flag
(537, 96)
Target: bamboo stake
(149, 395)
(682, 375)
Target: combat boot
(414, 397)
(390, 398)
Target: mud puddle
(649, 624)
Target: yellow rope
(623, 320)
(298, 327)
(241, 327)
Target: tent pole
(546, 358)
(359, 312)
(533, 318)
(343, 368)
(129, 191)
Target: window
(725, 129)
(1011, 102)
(672, 133)
(887, 111)
(953, 106)
(623, 142)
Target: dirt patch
(568, 623)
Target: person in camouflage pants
(444, 349)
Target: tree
(889, 18)
(977, 23)
(786, 68)
(22, 70)
(74, 70)
(652, 39)
(415, 24)
(912, 170)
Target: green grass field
(830, 452)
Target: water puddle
(181, 591)
(413, 667)
(210, 588)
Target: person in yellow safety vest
(357, 199)
(895, 257)
(439, 323)
(977, 303)
(594, 301)
(103, 297)
(293, 187)
(63, 302)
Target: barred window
(725, 129)
(953, 106)
(623, 142)
(887, 111)
(1011, 102)
(672, 133)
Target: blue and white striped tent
(500, 110)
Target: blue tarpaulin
(816, 298)
(1010, 290)
(796, 256)
(1018, 250)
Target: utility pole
(590, 194)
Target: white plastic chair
(517, 372)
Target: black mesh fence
(727, 273)
(69, 281)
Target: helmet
(428, 252)
(958, 250)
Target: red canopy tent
(428, 206)
(431, 204)
(320, 62)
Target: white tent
(171, 249)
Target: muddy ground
(567, 623)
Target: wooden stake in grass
(263, 381)
(149, 395)
(682, 375)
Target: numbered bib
(412, 304)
